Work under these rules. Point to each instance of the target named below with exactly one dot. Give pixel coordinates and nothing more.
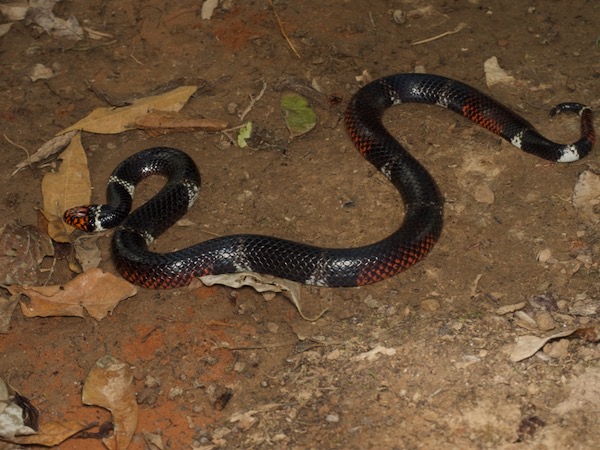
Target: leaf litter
(94, 291)
(22, 249)
(109, 120)
(68, 187)
(264, 284)
(109, 384)
(87, 293)
(527, 346)
(20, 421)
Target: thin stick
(439, 36)
(282, 30)
(253, 100)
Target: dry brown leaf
(7, 307)
(527, 346)
(68, 187)
(95, 291)
(49, 148)
(21, 251)
(110, 385)
(265, 284)
(16, 10)
(109, 120)
(86, 252)
(167, 122)
(51, 433)
(153, 441)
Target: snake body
(333, 267)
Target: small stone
(510, 308)
(562, 305)
(558, 349)
(333, 355)
(399, 16)
(174, 392)
(545, 321)
(151, 382)
(525, 318)
(371, 302)
(483, 194)
(332, 417)
(582, 308)
(220, 432)
(544, 256)
(586, 197)
(430, 304)
(232, 107)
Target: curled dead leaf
(117, 120)
(110, 385)
(68, 187)
(527, 346)
(51, 433)
(265, 284)
(95, 291)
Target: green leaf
(299, 117)
(244, 133)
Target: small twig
(254, 100)
(282, 30)
(252, 347)
(16, 145)
(439, 36)
(134, 58)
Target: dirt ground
(421, 360)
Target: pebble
(333, 355)
(151, 382)
(484, 194)
(585, 195)
(174, 392)
(371, 302)
(399, 16)
(232, 107)
(544, 256)
(430, 304)
(558, 349)
(510, 308)
(332, 417)
(545, 321)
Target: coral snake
(334, 267)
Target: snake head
(81, 217)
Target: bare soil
(205, 356)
